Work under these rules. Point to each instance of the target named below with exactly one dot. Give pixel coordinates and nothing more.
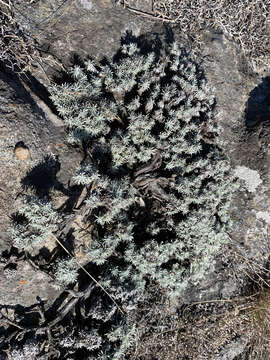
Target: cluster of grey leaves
(36, 221)
(104, 347)
(168, 223)
(88, 339)
(66, 272)
(28, 351)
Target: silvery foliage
(65, 273)
(28, 352)
(89, 339)
(39, 221)
(123, 333)
(104, 347)
(138, 103)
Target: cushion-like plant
(159, 183)
(36, 220)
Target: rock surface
(25, 284)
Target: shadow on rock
(17, 83)
(258, 105)
(42, 178)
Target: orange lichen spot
(22, 282)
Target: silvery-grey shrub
(164, 220)
(66, 272)
(38, 220)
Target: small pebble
(22, 152)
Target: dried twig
(71, 303)
(149, 15)
(91, 277)
(10, 322)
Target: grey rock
(24, 287)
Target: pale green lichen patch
(251, 177)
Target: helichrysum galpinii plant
(159, 184)
(65, 273)
(37, 220)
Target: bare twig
(149, 15)
(7, 320)
(91, 277)
(71, 303)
